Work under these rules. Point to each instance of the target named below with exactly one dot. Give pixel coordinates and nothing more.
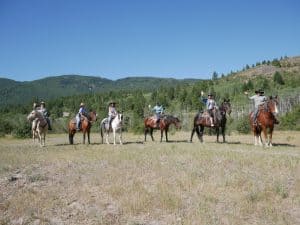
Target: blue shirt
(82, 111)
(158, 109)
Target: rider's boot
(211, 122)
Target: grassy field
(150, 183)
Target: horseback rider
(45, 113)
(81, 112)
(158, 111)
(210, 106)
(258, 99)
(112, 112)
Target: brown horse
(164, 123)
(202, 119)
(265, 121)
(85, 126)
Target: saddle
(153, 121)
(204, 116)
(82, 118)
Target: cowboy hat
(81, 104)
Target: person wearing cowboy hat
(211, 105)
(112, 112)
(158, 110)
(81, 112)
(45, 113)
(258, 99)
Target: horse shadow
(133, 142)
(177, 141)
(283, 145)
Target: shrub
(22, 129)
(278, 78)
(290, 121)
(243, 125)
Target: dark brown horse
(164, 124)
(202, 119)
(265, 121)
(85, 126)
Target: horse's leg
(264, 129)
(101, 132)
(120, 136)
(201, 133)
(71, 136)
(83, 132)
(145, 132)
(33, 135)
(161, 135)
(166, 133)
(107, 141)
(255, 137)
(114, 135)
(223, 132)
(151, 133)
(88, 135)
(217, 131)
(270, 135)
(44, 138)
(192, 134)
(40, 138)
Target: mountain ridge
(21, 92)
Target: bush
(278, 78)
(22, 129)
(243, 125)
(291, 120)
(6, 127)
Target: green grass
(150, 183)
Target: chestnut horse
(39, 126)
(265, 121)
(202, 119)
(85, 126)
(164, 123)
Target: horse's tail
(71, 136)
(71, 130)
(102, 126)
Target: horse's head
(120, 117)
(226, 106)
(93, 116)
(177, 122)
(272, 103)
(31, 116)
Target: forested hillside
(136, 96)
(68, 85)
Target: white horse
(116, 126)
(39, 126)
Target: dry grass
(150, 183)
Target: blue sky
(121, 38)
